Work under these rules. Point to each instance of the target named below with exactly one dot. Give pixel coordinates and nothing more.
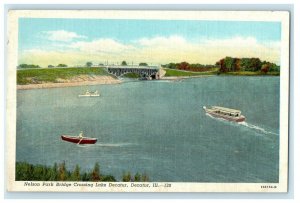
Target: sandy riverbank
(78, 81)
(91, 80)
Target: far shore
(99, 80)
(184, 77)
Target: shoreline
(103, 80)
(100, 80)
(184, 77)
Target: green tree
(254, 64)
(50, 66)
(96, 173)
(86, 177)
(126, 177)
(171, 66)
(52, 173)
(89, 64)
(143, 64)
(62, 65)
(28, 66)
(245, 64)
(124, 63)
(274, 68)
(24, 171)
(27, 172)
(137, 177)
(75, 176)
(38, 173)
(240, 64)
(108, 178)
(229, 63)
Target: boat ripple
(248, 125)
(106, 145)
(112, 144)
(257, 128)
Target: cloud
(61, 35)
(163, 41)
(242, 47)
(206, 51)
(155, 50)
(101, 45)
(232, 42)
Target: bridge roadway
(142, 71)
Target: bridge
(153, 72)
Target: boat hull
(96, 95)
(240, 119)
(77, 140)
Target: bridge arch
(141, 71)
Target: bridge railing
(134, 67)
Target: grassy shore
(250, 73)
(58, 172)
(178, 73)
(69, 75)
(54, 75)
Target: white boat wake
(112, 144)
(248, 125)
(105, 145)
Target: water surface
(157, 127)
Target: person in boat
(81, 135)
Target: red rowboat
(78, 139)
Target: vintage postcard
(147, 101)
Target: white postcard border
(279, 16)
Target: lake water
(158, 128)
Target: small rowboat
(90, 94)
(78, 139)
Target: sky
(50, 41)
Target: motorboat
(225, 113)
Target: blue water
(158, 128)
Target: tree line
(58, 172)
(230, 64)
(123, 63)
(37, 66)
(227, 64)
(196, 67)
(28, 66)
(61, 65)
